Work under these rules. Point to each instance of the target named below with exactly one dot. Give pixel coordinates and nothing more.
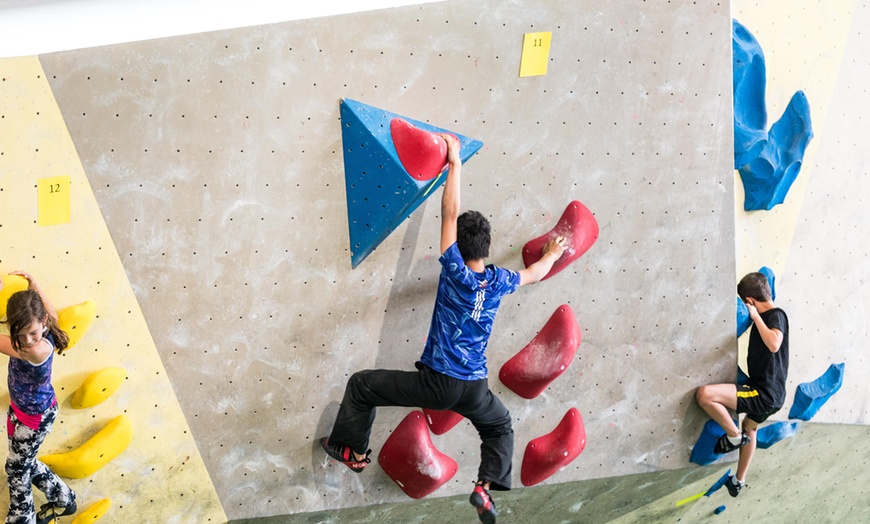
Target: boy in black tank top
(764, 391)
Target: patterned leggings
(22, 469)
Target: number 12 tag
(53, 201)
(536, 54)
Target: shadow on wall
(326, 483)
(409, 306)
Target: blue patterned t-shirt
(30, 386)
(465, 309)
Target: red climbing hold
(441, 421)
(423, 154)
(548, 454)
(547, 356)
(577, 225)
(411, 460)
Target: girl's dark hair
(25, 307)
(754, 286)
(472, 235)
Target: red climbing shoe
(345, 455)
(481, 500)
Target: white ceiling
(33, 27)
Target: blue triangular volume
(380, 192)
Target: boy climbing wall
(452, 371)
(764, 391)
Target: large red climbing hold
(441, 421)
(548, 454)
(580, 229)
(411, 460)
(422, 154)
(547, 356)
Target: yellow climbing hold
(98, 387)
(93, 513)
(88, 458)
(11, 284)
(75, 320)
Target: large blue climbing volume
(380, 192)
(768, 177)
(768, 161)
(811, 396)
(749, 84)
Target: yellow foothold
(98, 451)
(75, 320)
(11, 284)
(93, 513)
(98, 387)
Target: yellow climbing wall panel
(161, 477)
(803, 44)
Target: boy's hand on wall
(25, 276)
(556, 246)
(453, 148)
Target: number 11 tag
(53, 201)
(536, 54)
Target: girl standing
(34, 335)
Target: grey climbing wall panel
(216, 160)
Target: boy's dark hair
(754, 286)
(472, 235)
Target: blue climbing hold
(768, 161)
(771, 280)
(743, 320)
(767, 178)
(719, 510)
(811, 396)
(749, 83)
(718, 484)
(770, 435)
(702, 453)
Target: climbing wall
(216, 160)
(160, 476)
(819, 492)
(815, 241)
(816, 244)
